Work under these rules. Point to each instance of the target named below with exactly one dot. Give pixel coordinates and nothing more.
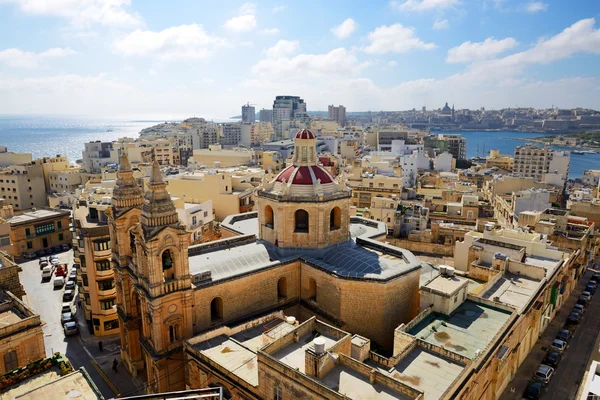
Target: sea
(49, 136)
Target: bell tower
(164, 286)
(125, 213)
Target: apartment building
(367, 186)
(266, 115)
(231, 134)
(68, 180)
(216, 156)
(92, 257)
(230, 189)
(96, 155)
(248, 113)
(542, 164)
(504, 161)
(23, 185)
(198, 219)
(8, 158)
(337, 114)
(39, 229)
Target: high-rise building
(248, 113)
(232, 134)
(337, 114)
(287, 108)
(266, 115)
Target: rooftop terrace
(513, 289)
(469, 328)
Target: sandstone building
(299, 253)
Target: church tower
(304, 206)
(125, 213)
(160, 248)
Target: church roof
(304, 175)
(305, 134)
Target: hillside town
(294, 256)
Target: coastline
(557, 145)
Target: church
(299, 256)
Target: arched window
(216, 310)
(269, 218)
(312, 289)
(282, 288)
(167, 265)
(335, 219)
(173, 332)
(301, 221)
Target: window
(44, 229)
(27, 232)
(216, 309)
(269, 218)
(194, 220)
(107, 304)
(205, 214)
(61, 236)
(59, 224)
(107, 284)
(301, 221)
(29, 244)
(380, 185)
(110, 325)
(277, 394)
(167, 265)
(312, 289)
(103, 244)
(103, 265)
(10, 361)
(173, 332)
(282, 288)
(5, 241)
(84, 278)
(335, 219)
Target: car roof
(67, 313)
(70, 323)
(544, 368)
(559, 341)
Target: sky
(173, 59)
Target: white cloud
(536, 6)
(424, 5)
(178, 42)
(439, 25)
(283, 48)
(127, 68)
(392, 64)
(243, 23)
(338, 62)
(26, 59)
(152, 72)
(269, 31)
(82, 12)
(278, 9)
(344, 29)
(470, 51)
(394, 38)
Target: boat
(579, 153)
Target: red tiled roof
(304, 134)
(302, 175)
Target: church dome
(305, 134)
(304, 175)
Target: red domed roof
(303, 176)
(304, 134)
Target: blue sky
(159, 59)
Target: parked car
(43, 259)
(552, 358)
(54, 261)
(67, 307)
(544, 373)
(587, 295)
(49, 251)
(47, 273)
(68, 295)
(70, 285)
(43, 264)
(573, 318)
(533, 390)
(41, 253)
(582, 301)
(57, 249)
(59, 282)
(70, 328)
(29, 256)
(559, 345)
(66, 317)
(564, 335)
(596, 277)
(579, 308)
(65, 247)
(73, 275)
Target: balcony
(107, 293)
(102, 253)
(104, 273)
(111, 311)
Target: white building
(197, 217)
(591, 177)
(542, 164)
(531, 200)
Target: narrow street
(81, 349)
(570, 370)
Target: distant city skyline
(152, 59)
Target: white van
(59, 282)
(47, 272)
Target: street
(567, 377)
(81, 349)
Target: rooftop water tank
(319, 344)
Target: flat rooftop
(512, 289)
(50, 385)
(356, 386)
(33, 216)
(427, 371)
(549, 263)
(469, 328)
(447, 284)
(293, 354)
(9, 317)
